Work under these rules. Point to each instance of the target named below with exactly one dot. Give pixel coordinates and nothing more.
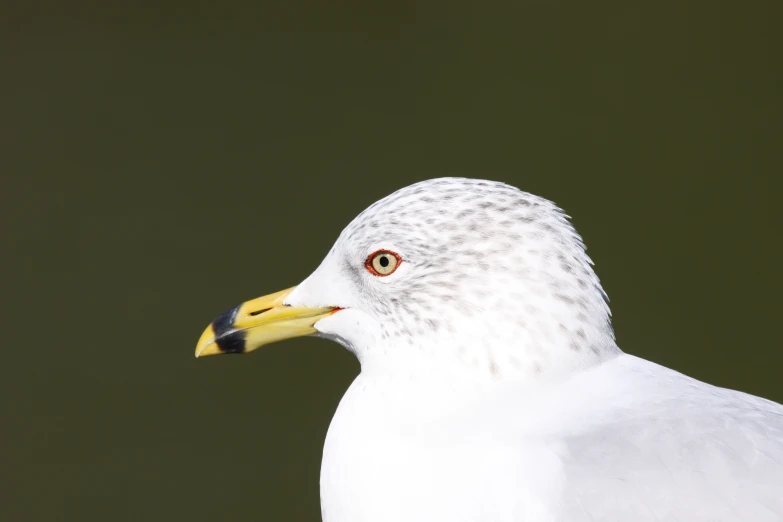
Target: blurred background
(162, 162)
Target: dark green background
(162, 163)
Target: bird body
(627, 440)
(491, 386)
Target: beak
(258, 322)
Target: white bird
(491, 387)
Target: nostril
(260, 311)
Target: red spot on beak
(335, 311)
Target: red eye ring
(368, 264)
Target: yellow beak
(258, 322)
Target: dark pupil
(383, 261)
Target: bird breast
(400, 453)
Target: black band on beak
(227, 340)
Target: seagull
(492, 388)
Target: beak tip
(206, 344)
(210, 349)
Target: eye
(383, 262)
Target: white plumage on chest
(390, 456)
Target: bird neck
(470, 357)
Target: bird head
(471, 271)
